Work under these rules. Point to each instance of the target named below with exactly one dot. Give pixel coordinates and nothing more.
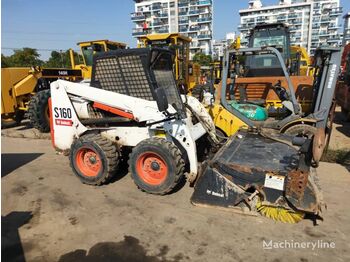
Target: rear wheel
(156, 166)
(94, 159)
(38, 111)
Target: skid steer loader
(133, 101)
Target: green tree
(4, 61)
(22, 58)
(202, 59)
(61, 59)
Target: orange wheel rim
(151, 168)
(88, 162)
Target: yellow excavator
(26, 90)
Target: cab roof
(103, 40)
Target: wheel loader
(133, 103)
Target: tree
(22, 58)
(61, 59)
(4, 61)
(202, 59)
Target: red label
(63, 122)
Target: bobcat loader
(133, 102)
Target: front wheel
(156, 166)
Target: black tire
(168, 164)
(301, 130)
(106, 159)
(38, 111)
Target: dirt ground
(48, 215)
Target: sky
(59, 24)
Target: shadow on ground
(128, 250)
(11, 246)
(344, 127)
(10, 162)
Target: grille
(124, 75)
(165, 79)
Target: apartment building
(346, 36)
(312, 22)
(192, 18)
(219, 46)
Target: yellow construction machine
(186, 72)
(27, 89)
(90, 48)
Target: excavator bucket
(253, 174)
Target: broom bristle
(280, 214)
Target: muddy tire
(156, 166)
(94, 159)
(301, 130)
(38, 111)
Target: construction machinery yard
(137, 154)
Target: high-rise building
(192, 18)
(219, 46)
(312, 22)
(346, 36)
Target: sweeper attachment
(133, 103)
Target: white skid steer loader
(133, 101)
(129, 106)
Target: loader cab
(274, 35)
(89, 49)
(144, 73)
(179, 44)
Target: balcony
(183, 21)
(334, 26)
(193, 12)
(203, 3)
(193, 29)
(183, 29)
(156, 7)
(162, 30)
(204, 37)
(204, 20)
(163, 15)
(137, 16)
(323, 33)
(140, 31)
(159, 24)
(182, 13)
(183, 4)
